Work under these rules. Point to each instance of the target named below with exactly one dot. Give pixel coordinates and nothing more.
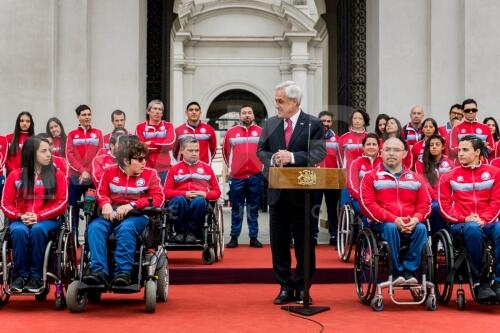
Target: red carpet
(242, 308)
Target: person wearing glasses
(396, 202)
(470, 126)
(123, 187)
(456, 114)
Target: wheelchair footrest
(100, 288)
(133, 288)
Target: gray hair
(292, 90)
(187, 140)
(153, 102)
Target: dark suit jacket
(273, 139)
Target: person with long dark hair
(350, 144)
(23, 129)
(431, 167)
(493, 125)
(59, 162)
(34, 196)
(4, 145)
(427, 128)
(55, 129)
(380, 123)
(469, 199)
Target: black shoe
(496, 289)
(232, 243)
(484, 293)
(410, 278)
(17, 285)
(95, 279)
(285, 296)
(179, 238)
(300, 297)
(315, 241)
(33, 286)
(190, 238)
(254, 242)
(121, 279)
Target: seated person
(397, 203)
(469, 198)
(124, 186)
(103, 161)
(33, 199)
(190, 184)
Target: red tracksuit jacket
(240, 151)
(332, 158)
(358, 169)
(445, 165)
(100, 163)
(466, 128)
(14, 162)
(118, 188)
(105, 138)
(385, 198)
(60, 164)
(4, 146)
(351, 147)
(204, 133)
(495, 162)
(411, 134)
(14, 203)
(56, 147)
(184, 177)
(466, 190)
(160, 140)
(81, 148)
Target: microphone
(309, 143)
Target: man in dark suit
(290, 139)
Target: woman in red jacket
(34, 197)
(56, 131)
(23, 130)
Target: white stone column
(299, 60)
(177, 86)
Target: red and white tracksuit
(105, 138)
(56, 147)
(332, 158)
(100, 163)
(351, 147)
(497, 151)
(116, 187)
(411, 134)
(385, 197)
(81, 147)
(470, 128)
(239, 150)
(160, 140)
(417, 151)
(4, 146)
(15, 203)
(206, 136)
(445, 130)
(495, 162)
(357, 170)
(13, 162)
(444, 166)
(184, 177)
(60, 164)
(467, 190)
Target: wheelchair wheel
(345, 233)
(220, 234)
(43, 295)
(150, 296)
(461, 300)
(208, 256)
(443, 264)
(75, 300)
(427, 267)
(4, 256)
(60, 303)
(377, 304)
(163, 281)
(366, 266)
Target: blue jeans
(245, 192)
(188, 215)
(473, 237)
(418, 238)
(436, 219)
(34, 238)
(126, 233)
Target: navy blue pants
(188, 215)
(331, 201)
(245, 192)
(418, 238)
(75, 192)
(34, 238)
(436, 219)
(473, 236)
(126, 233)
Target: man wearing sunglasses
(470, 127)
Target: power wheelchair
(452, 265)
(373, 271)
(212, 236)
(150, 269)
(59, 264)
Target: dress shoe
(191, 238)
(95, 278)
(17, 285)
(285, 296)
(232, 243)
(121, 279)
(484, 293)
(254, 242)
(300, 297)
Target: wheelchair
(452, 266)
(59, 264)
(373, 271)
(150, 269)
(212, 236)
(350, 224)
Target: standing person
(455, 114)
(493, 125)
(411, 131)
(428, 127)
(82, 145)
(199, 130)
(469, 198)
(292, 138)
(34, 197)
(101, 162)
(23, 129)
(350, 143)
(396, 201)
(55, 129)
(433, 165)
(332, 160)
(245, 175)
(159, 137)
(380, 123)
(118, 119)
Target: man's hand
(193, 194)
(474, 218)
(282, 157)
(122, 211)
(28, 218)
(410, 224)
(399, 221)
(107, 212)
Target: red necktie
(288, 131)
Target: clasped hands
(282, 157)
(406, 224)
(474, 218)
(193, 194)
(29, 218)
(119, 214)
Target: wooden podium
(306, 178)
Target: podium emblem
(306, 178)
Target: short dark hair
(193, 103)
(366, 117)
(477, 143)
(458, 106)
(117, 133)
(326, 113)
(241, 107)
(370, 136)
(128, 151)
(117, 112)
(43, 136)
(82, 107)
(468, 101)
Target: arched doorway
(224, 110)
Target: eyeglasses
(470, 110)
(393, 150)
(139, 159)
